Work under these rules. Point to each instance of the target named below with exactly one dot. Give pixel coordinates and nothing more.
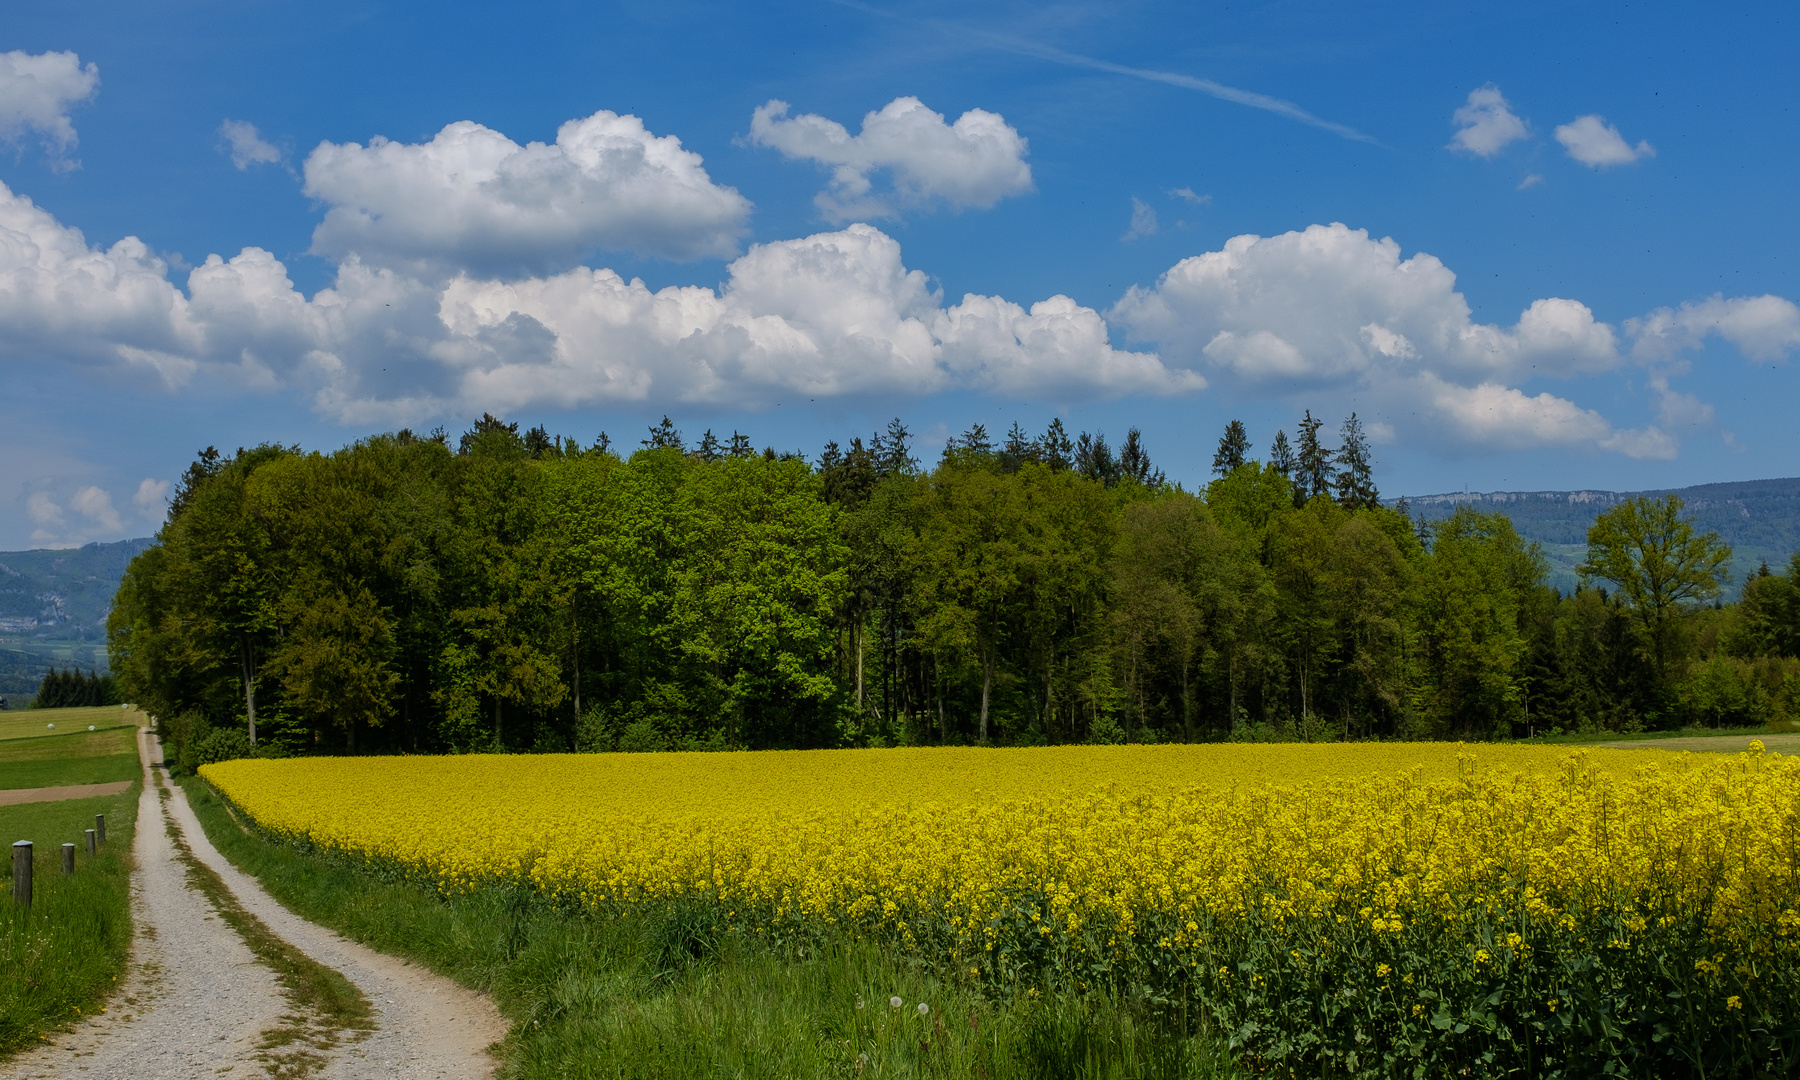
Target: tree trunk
(575, 658)
(1187, 704)
(1231, 677)
(937, 667)
(498, 742)
(856, 632)
(245, 662)
(987, 685)
(350, 735)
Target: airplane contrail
(1205, 86)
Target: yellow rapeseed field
(1085, 848)
(1374, 909)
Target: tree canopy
(527, 592)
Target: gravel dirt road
(198, 1003)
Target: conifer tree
(740, 445)
(1018, 449)
(1134, 461)
(975, 440)
(709, 447)
(1054, 447)
(1355, 477)
(1094, 459)
(664, 436)
(1313, 471)
(1234, 449)
(893, 450)
(1281, 455)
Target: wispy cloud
(1143, 221)
(1024, 47)
(1218, 90)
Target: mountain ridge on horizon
(1760, 519)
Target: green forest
(508, 592)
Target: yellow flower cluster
(1082, 847)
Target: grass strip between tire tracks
(325, 1006)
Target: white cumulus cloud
(95, 504)
(832, 314)
(1598, 144)
(43, 511)
(1506, 418)
(60, 297)
(1762, 327)
(838, 313)
(151, 498)
(36, 93)
(973, 163)
(1486, 123)
(1327, 310)
(1331, 310)
(1330, 303)
(53, 527)
(472, 199)
(246, 145)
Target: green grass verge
(1596, 738)
(669, 994)
(28, 723)
(81, 757)
(61, 957)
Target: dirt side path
(1714, 744)
(427, 1027)
(15, 796)
(195, 1001)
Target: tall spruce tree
(1313, 474)
(664, 437)
(1018, 449)
(1281, 455)
(710, 450)
(1055, 447)
(1234, 449)
(893, 450)
(1094, 459)
(1134, 462)
(1355, 476)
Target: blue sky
(1532, 245)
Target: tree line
(71, 689)
(526, 592)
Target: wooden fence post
(100, 827)
(68, 859)
(90, 841)
(22, 872)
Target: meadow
(1364, 910)
(60, 958)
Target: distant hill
(1760, 519)
(53, 608)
